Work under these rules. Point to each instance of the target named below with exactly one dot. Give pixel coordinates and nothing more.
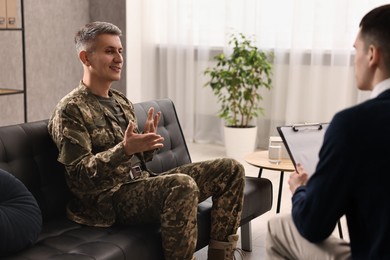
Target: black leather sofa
(27, 152)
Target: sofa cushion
(20, 216)
(65, 239)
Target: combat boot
(220, 250)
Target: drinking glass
(275, 153)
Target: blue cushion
(20, 216)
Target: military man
(95, 130)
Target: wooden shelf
(8, 91)
(11, 29)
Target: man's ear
(375, 55)
(83, 56)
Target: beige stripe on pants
(284, 242)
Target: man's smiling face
(106, 58)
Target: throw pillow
(20, 216)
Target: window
(282, 24)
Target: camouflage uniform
(89, 141)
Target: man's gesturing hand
(152, 123)
(136, 143)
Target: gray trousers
(284, 242)
(171, 199)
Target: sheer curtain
(171, 42)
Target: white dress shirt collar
(380, 88)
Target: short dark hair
(375, 30)
(87, 34)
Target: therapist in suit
(352, 177)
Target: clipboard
(303, 143)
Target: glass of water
(275, 153)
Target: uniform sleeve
(87, 170)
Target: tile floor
(201, 152)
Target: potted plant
(236, 80)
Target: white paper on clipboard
(303, 143)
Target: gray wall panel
(52, 66)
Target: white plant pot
(240, 141)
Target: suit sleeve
(318, 206)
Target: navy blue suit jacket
(351, 178)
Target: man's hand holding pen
(297, 178)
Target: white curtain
(171, 42)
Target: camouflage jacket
(89, 140)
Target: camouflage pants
(171, 199)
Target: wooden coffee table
(260, 159)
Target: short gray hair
(87, 34)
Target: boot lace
(241, 253)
